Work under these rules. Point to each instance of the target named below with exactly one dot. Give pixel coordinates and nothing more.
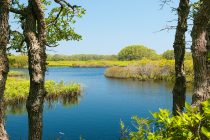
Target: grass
(17, 90)
(90, 63)
(16, 74)
(149, 70)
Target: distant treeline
(80, 57)
(130, 53)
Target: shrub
(169, 55)
(137, 52)
(164, 126)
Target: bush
(164, 126)
(169, 55)
(137, 52)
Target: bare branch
(62, 4)
(164, 2)
(51, 46)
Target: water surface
(97, 114)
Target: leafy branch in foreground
(163, 126)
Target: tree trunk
(34, 31)
(4, 65)
(199, 53)
(179, 89)
(208, 58)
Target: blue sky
(110, 25)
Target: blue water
(103, 103)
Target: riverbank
(89, 63)
(17, 90)
(149, 70)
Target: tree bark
(199, 53)
(179, 90)
(4, 65)
(34, 31)
(208, 57)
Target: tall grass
(16, 74)
(149, 70)
(90, 63)
(20, 61)
(17, 90)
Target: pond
(97, 114)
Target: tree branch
(62, 4)
(17, 11)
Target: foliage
(169, 55)
(60, 18)
(149, 70)
(20, 61)
(80, 57)
(90, 63)
(17, 89)
(137, 52)
(164, 126)
(16, 74)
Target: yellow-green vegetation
(137, 52)
(20, 61)
(17, 89)
(80, 57)
(149, 70)
(16, 74)
(190, 125)
(169, 55)
(90, 63)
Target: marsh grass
(149, 70)
(90, 63)
(16, 74)
(17, 90)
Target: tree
(4, 65)
(136, 52)
(38, 32)
(200, 53)
(169, 54)
(179, 89)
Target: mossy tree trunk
(179, 89)
(34, 32)
(4, 65)
(200, 53)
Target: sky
(110, 25)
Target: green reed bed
(16, 74)
(17, 90)
(149, 70)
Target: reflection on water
(19, 108)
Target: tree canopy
(60, 17)
(169, 55)
(137, 52)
